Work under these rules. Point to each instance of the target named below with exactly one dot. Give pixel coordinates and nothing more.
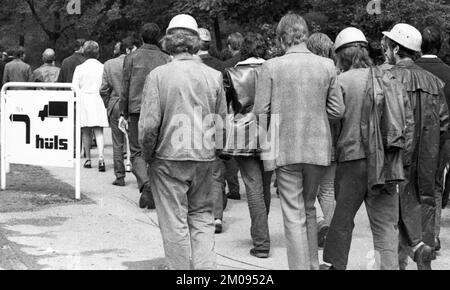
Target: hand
(123, 124)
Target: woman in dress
(87, 79)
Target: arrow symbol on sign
(25, 119)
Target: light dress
(88, 79)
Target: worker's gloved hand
(123, 124)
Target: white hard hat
(205, 35)
(183, 21)
(406, 35)
(349, 35)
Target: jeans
(298, 185)
(184, 205)
(139, 165)
(118, 139)
(231, 176)
(444, 152)
(252, 175)
(326, 197)
(218, 188)
(382, 209)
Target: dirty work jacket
(136, 67)
(385, 109)
(183, 101)
(47, 73)
(299, 90)
(425, 92)
(112, 82)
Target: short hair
(128, 43)
(292, 30)
(91, 49)
(78, 43)
(403, 52)
(181, 41)
(353, 57)
(19, 52)
(432, 40)
(253, 45)
(150, 33)
(48, 56)
(320, 44)
(235, 41)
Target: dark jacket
(240, 85)
(136, 68)
(384, 111)
(213, 62)
(17, 71)
(425, 92)
(232, 61)
(437, 67)
(68, 67)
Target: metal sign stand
(4, 117)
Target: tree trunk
(217, 34)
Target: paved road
(112, 233)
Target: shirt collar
(429, 56)
(186, 56)
(251, 60)
(149, 46)
(299, 48)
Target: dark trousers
(138, 163)
(258, 199)
(382, 209)
(184, 204)
(218, 188)
(118, 139)
(231, 176)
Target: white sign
(39, 127)
(74, 7)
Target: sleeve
(62, 73)
(105, 89)
(444, 116)
(125, 94)
(221, 112)
(76, 81)
(29, 74)
(335, 100)
(263, 92)
(5, 75)
(150, 119)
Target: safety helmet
(349, 35)
(204, 34)
(406, 35)
(183, 21)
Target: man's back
(437, 67)
(113, 71)
(137, 66)
(302, 88)
(213, 62)
(17, 71)
(188, 91)
(68, 67)
(46, 73)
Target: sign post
(40, 126)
